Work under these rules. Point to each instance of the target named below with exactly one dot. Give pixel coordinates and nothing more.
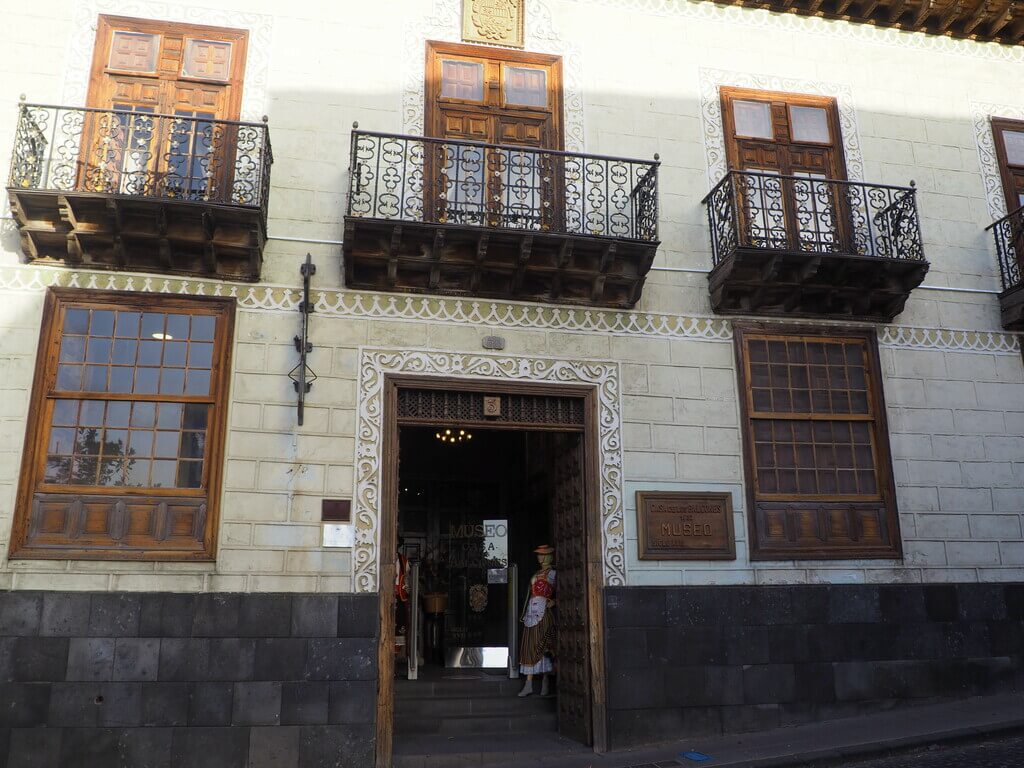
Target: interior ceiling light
(453, 436)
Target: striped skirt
(536, 646)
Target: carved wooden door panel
(573, 628)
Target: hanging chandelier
(453, 436)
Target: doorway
(475, 479)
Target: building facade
(765, 256)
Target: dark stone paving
(991, 753)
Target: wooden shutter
(167, 66)
(819, 472)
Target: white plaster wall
(956, 417)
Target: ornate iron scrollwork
(1009, 234)
(302, 375)
(804, 214)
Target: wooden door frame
(389, 529)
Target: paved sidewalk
(833, 741)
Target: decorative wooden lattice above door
(439, 406)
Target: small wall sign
(684, 525)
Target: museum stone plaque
(498, 22)
(685, 526)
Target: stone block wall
(217, 680)
(697, 661)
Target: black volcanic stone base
(696, 661)
(222, 680)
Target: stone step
(477, 724)
(434, 689)
(450, 706)
(471, 751)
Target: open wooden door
(573, 636)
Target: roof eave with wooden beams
(990, 21)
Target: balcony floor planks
(464, 260)
(838, 286)
(135, 233)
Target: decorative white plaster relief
(336, 302)
(445, 24)
(751, 19)
(83, 38)
(375, 364)
(714, 132)
(981, 114)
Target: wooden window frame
(37, 433)
(1006, 170)
(841, 549)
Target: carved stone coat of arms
(493, 21)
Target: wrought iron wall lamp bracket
(302, 375)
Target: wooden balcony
(1009, 235)
(795, 246)
(138, 191)
(463, 218)
(991, 21)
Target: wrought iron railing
(142, 154)
(1009, 234)
(448, 181)
(802, 214)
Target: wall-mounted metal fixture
(302, 375)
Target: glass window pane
(127, 325)
(167, 444)
(123, 352)
(99, 350)
(58, 470)
(140, 443)
(138, 473)
(164, 474)
(96, 378)
(207, 59)
(195, 417)
(111, 472)
(172, 381)
(72, 349)
(193, 445)
(69, 377)
(146, 380)
(120, 379)
(810, 124)
(1013, 141)
(83, 470)
(65, 412)
(190, 474)
(462, 80)
(203, 327)
(153, 323)
(170, 416)
(526, 86)
(143, 414)
(102, 323)
(118, 413)
(200, 355)
(150, 352)
(87, 441)
(753, 119)
(115, 442)
(76, 321)
(62, 441)
(91, 414)
(198, 383)
(177, 327)
(134, 51)
(174, 353)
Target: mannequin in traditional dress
(538, 640)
